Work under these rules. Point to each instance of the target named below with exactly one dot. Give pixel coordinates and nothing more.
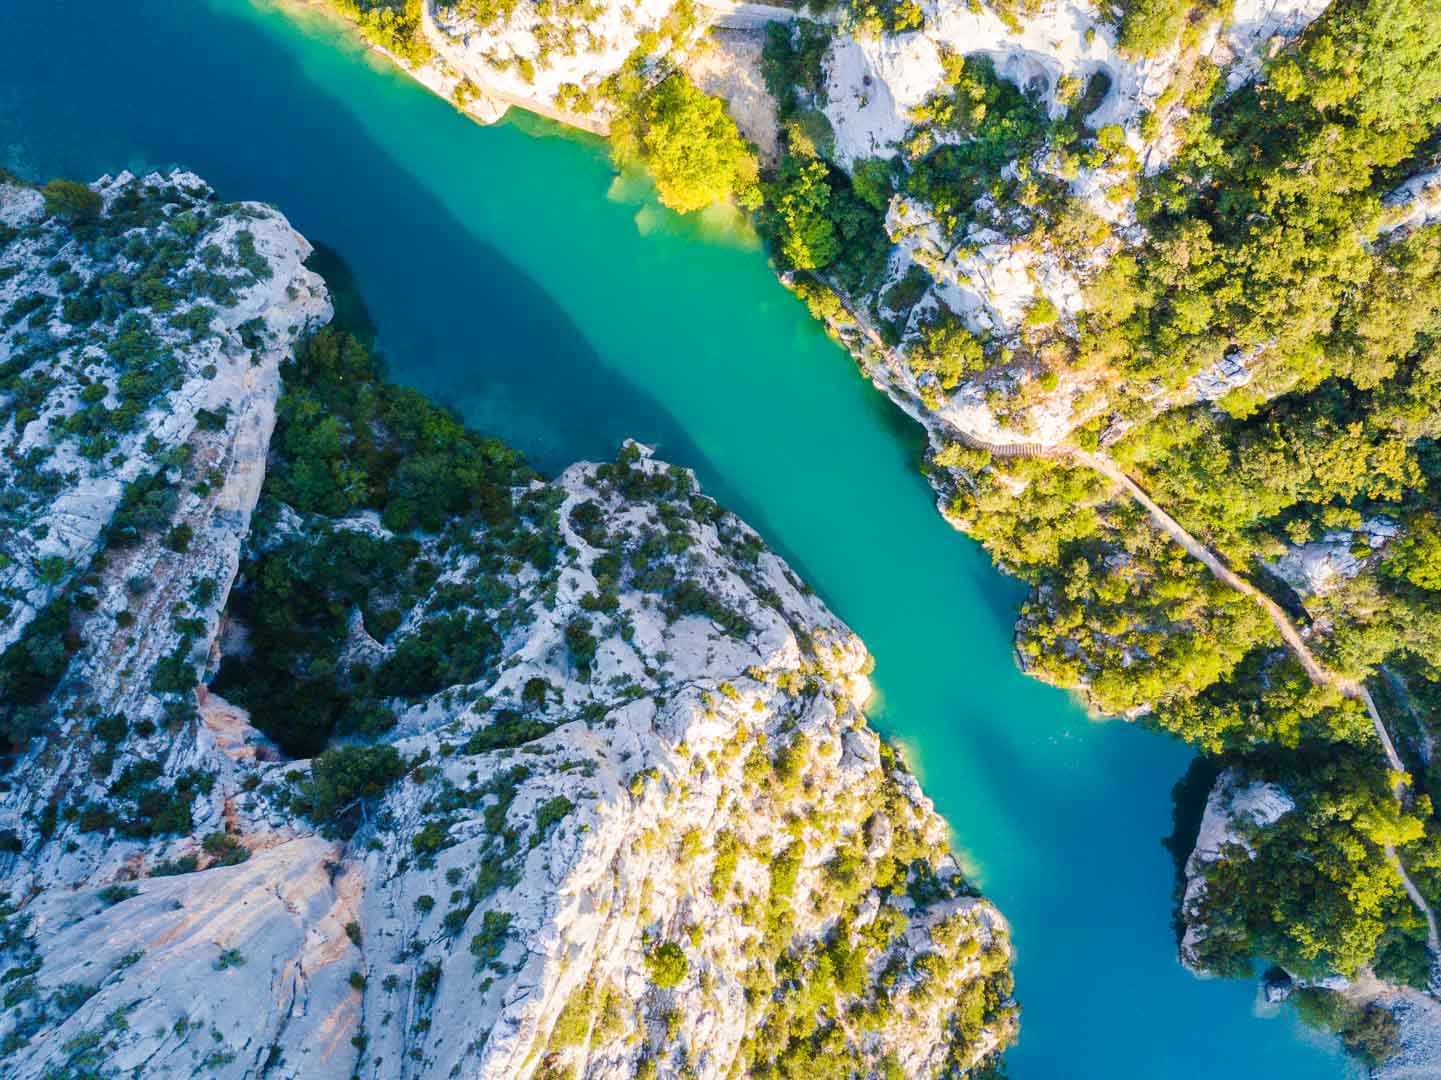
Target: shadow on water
(351, 312)
(1188, 799)
(400, 263)
(380, 255)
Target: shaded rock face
(151, 373)
(655, 836)
(1232, 810)
(105, 388)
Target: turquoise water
(501, 274)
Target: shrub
(1148, 26)
(229, 958)
(667, 965)
(71, 201)
(341, 779)
(946, 349)
(487, 945)
(114, 894)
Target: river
(503, 272)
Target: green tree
(947, 349)
(667, 965)
(692, 148)
(1417, 556)
(799, 198)
(72, 201)
(1147, 26)
(345, 778)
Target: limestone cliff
(620, 814)
(1233, 808)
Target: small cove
(504, 273)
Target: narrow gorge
(582, 773)
(603, 800)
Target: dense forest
(1265, 235)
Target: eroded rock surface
(642, 828)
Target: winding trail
(1317, 673)
(1290, 634)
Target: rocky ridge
(644, 830)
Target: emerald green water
(500, 276)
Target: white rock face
(1226, 374)
(1256, 30)
(873, 83)
(1321, 566)
(568, 861)
(206, 438)
(1418, 1017)
(612, 857)
(578, 44)
(1415, 204)
(993, 279)
(76, 491)
(1231, 811)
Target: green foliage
(343, 781)
(1416, 557)
(348, 441)
(1318, 893)
(394, 25)
(1371, 1032)
(548, 815)
(30, 668)
(872, 18)
(487, 945)
(687, 142)
(667, 965)
(1148, 26)
(345, 442)
(996, 124)
(796, 211)
(946, 349)
(228, 958)
(509, 729)
(1261, 247)
(72, 201)
(791, 61)
(582, 644)
(815, 221)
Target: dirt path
(1298, 647)
(1106, 466)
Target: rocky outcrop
(1318, 567)
(1004, 267)
(104, 388)
(143, 391)
(651, 834)
(1232, 810)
